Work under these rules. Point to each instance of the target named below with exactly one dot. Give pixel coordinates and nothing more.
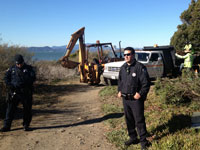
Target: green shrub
(180, 90)
(7, 54)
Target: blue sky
(135, 23)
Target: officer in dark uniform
(133, 86)
(19, 80)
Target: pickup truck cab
(160, 61)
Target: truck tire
(105, 81)
(112, 82)
(108, 81)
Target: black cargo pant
(26, 100)
(134, 115)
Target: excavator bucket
(68, 63)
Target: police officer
(19, 80)
(133, 86)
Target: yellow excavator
(90, 72)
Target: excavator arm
(78, 35)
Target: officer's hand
(119, 94)
(136, 96)
(10, 87)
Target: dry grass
(49, 70)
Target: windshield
(111, 55)
(141, 56)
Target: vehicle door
(155, 65)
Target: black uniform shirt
(134, 78)
(20, 77)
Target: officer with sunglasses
(133, 87)
(19, 80)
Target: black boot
(27, 128)
(131, 141)
(5, 129)
(145, 146)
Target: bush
(51, 70)
(7, 54)
(178, 91)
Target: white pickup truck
(159, 60)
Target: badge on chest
(133, 74)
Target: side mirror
(159, 58)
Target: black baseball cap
(19, 59)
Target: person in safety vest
(188, 58)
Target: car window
(142, 56)
(111, 55)
(154, 57)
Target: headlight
(105, 68)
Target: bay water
(48, 55)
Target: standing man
(188, 58)
(19, 80)
(133, 86)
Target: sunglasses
(19, 63)
(128, 54)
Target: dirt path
(75, 122)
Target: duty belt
(128, 96)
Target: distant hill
(50, 49)
(58, 48)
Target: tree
(189, 31)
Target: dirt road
(70, 120)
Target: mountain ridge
(58, 48)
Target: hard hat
(188, 46)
